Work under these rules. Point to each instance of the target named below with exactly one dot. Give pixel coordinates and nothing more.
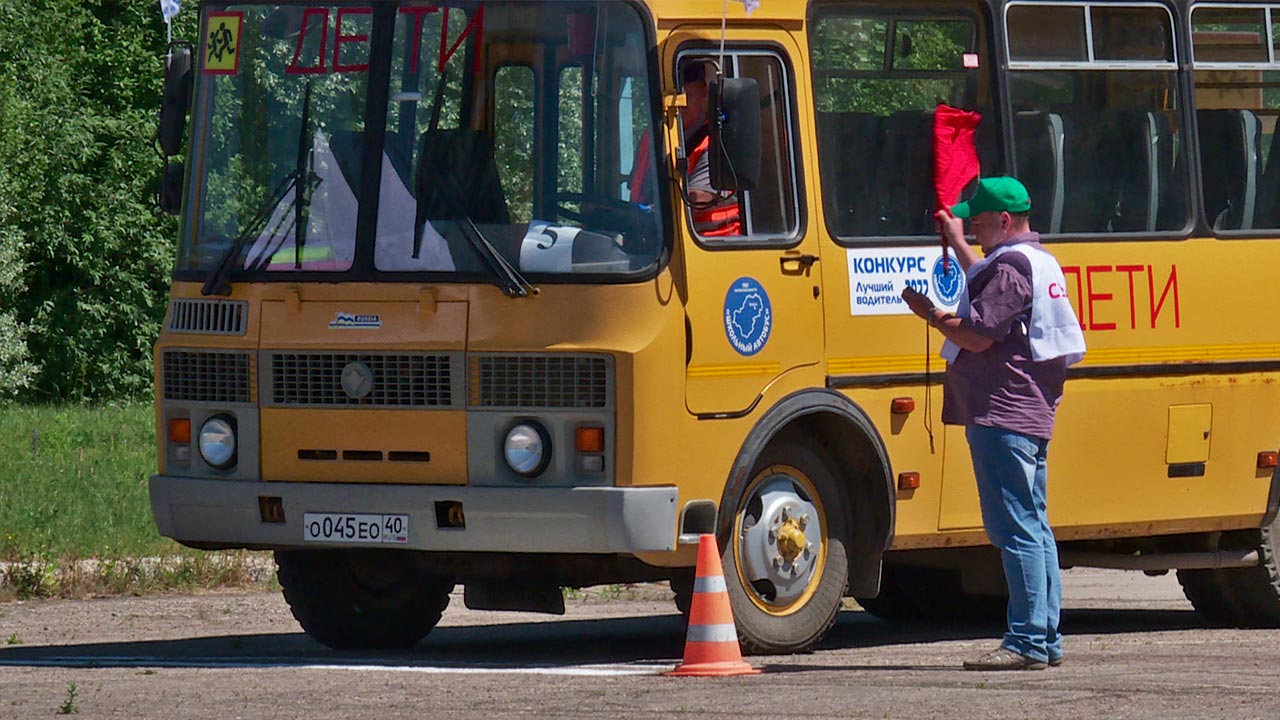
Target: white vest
(1055, 331)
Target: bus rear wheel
(1210, 594)
(785, 563)
(362, 599)
(1244, 597)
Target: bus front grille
(208, 376)
(539, 381)
(362, 380)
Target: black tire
(1210, 594)
(1256, 590)
(362, 599)
(1253, 593)
(892, 604)
(916, 593)
(938, 595)
(791, 615)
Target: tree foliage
(856, 69)
(84, 256)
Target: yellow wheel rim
(780, 540)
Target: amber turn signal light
(1267, 459)
(590, 439)
(180, 430)
(908, 480)
(903, 405)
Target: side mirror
(735, 134)
(171, 187)
(176, 100)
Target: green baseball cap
(1000, 194)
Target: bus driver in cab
(715, 214)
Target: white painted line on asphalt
(109, 661)
(582, 670)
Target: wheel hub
(791, 540)
(781, 547)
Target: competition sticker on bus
(878, 275)
(222, 43)
(748, 316)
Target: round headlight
(527, 449)
(218, 442)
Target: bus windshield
(392, 141)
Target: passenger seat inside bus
(459, 174)
(1229, 154)
(878, 179)
(1267, 212)
(456, 180)
(1039, 141)
(1092, 171)
(848, 144)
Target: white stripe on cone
(713, 584)
(713, 633)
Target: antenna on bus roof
(724, 15)
(749, 6)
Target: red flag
(955, 158)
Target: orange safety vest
(716, 221)
(719, 219)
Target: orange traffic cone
(711, 645)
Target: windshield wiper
(217, 282)
(512, 283)
(301, 180)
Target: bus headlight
(218, 442)
(527, 449)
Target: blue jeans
(1011, 470)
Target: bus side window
(1096, 101)
(879, 74)
(1237, 106)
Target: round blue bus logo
(748, 316)
(948, 281)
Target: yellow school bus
(441, 314)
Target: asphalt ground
(1135, 649)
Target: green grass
(74, 481)
(73, 486)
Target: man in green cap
(1007, 349)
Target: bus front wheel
(362, 599)
(785, 563)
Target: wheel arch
(845, 435)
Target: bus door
(753, 310)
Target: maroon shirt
(1002, 387)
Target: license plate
(355, 527)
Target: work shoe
(1057, 661)
(1003, 658)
